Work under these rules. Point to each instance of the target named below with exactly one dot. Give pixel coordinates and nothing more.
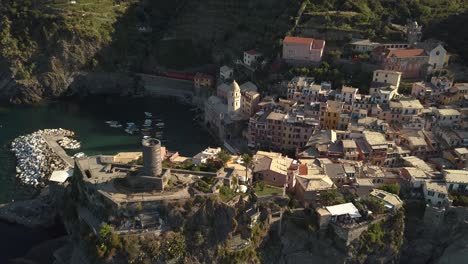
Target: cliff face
(431, 239)
(45, 46)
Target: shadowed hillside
(47, 45)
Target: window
(441, 196)
(430, 193)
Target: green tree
(199, 239)
(375, 205)
(106, 231)
(331, 197)
(224, 157)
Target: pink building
(303, 50)
(410, 62)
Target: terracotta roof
(303, 169)
(406, 53)
(316, 43)
(252, 52)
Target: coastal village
(340, 159)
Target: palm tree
(248, 162)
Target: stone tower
(152, 162)
(234, 98)
(413, 32)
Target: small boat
(148, 114)
(117, 125)
(79, 155)
(130, 124)
(110, 122)
(160, 124)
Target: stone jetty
(36, 160)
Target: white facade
(251, 57)
(234, 98)
(435, 193)
(390, 77)
(457, 180)
(437, 57)
(205, 155)
(226, 73)
(348, 94)
(447, 117)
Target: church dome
(235, 87)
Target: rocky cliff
(46, 46)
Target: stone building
(302, 51)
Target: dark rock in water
(39, 212)
(17, 240)
(42, 253)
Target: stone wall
(347, 234)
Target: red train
(177, 75)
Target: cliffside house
(302, 51)
(391, 201)
(226, 73)
(251, 58)
(457, 180)
(435, 193)
(309, 184)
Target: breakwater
(36, 157)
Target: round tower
(152, 162)
(234, 98)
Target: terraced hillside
(235, 25)
(382, 19)
(50, 48)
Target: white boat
(79, 155)
(148, 114)
(130, 124)
(114, 124)
(110, 122)
(160, 124)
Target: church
(223, 112)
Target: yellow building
(330, 113)
(249, 102)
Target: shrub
(459, 200)
(331, 197)
(391, 188)
(374, 204)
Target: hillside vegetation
(380, 19)
(47, 45)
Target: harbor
(170, 122)
(87, 120)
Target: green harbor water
(87, 118)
